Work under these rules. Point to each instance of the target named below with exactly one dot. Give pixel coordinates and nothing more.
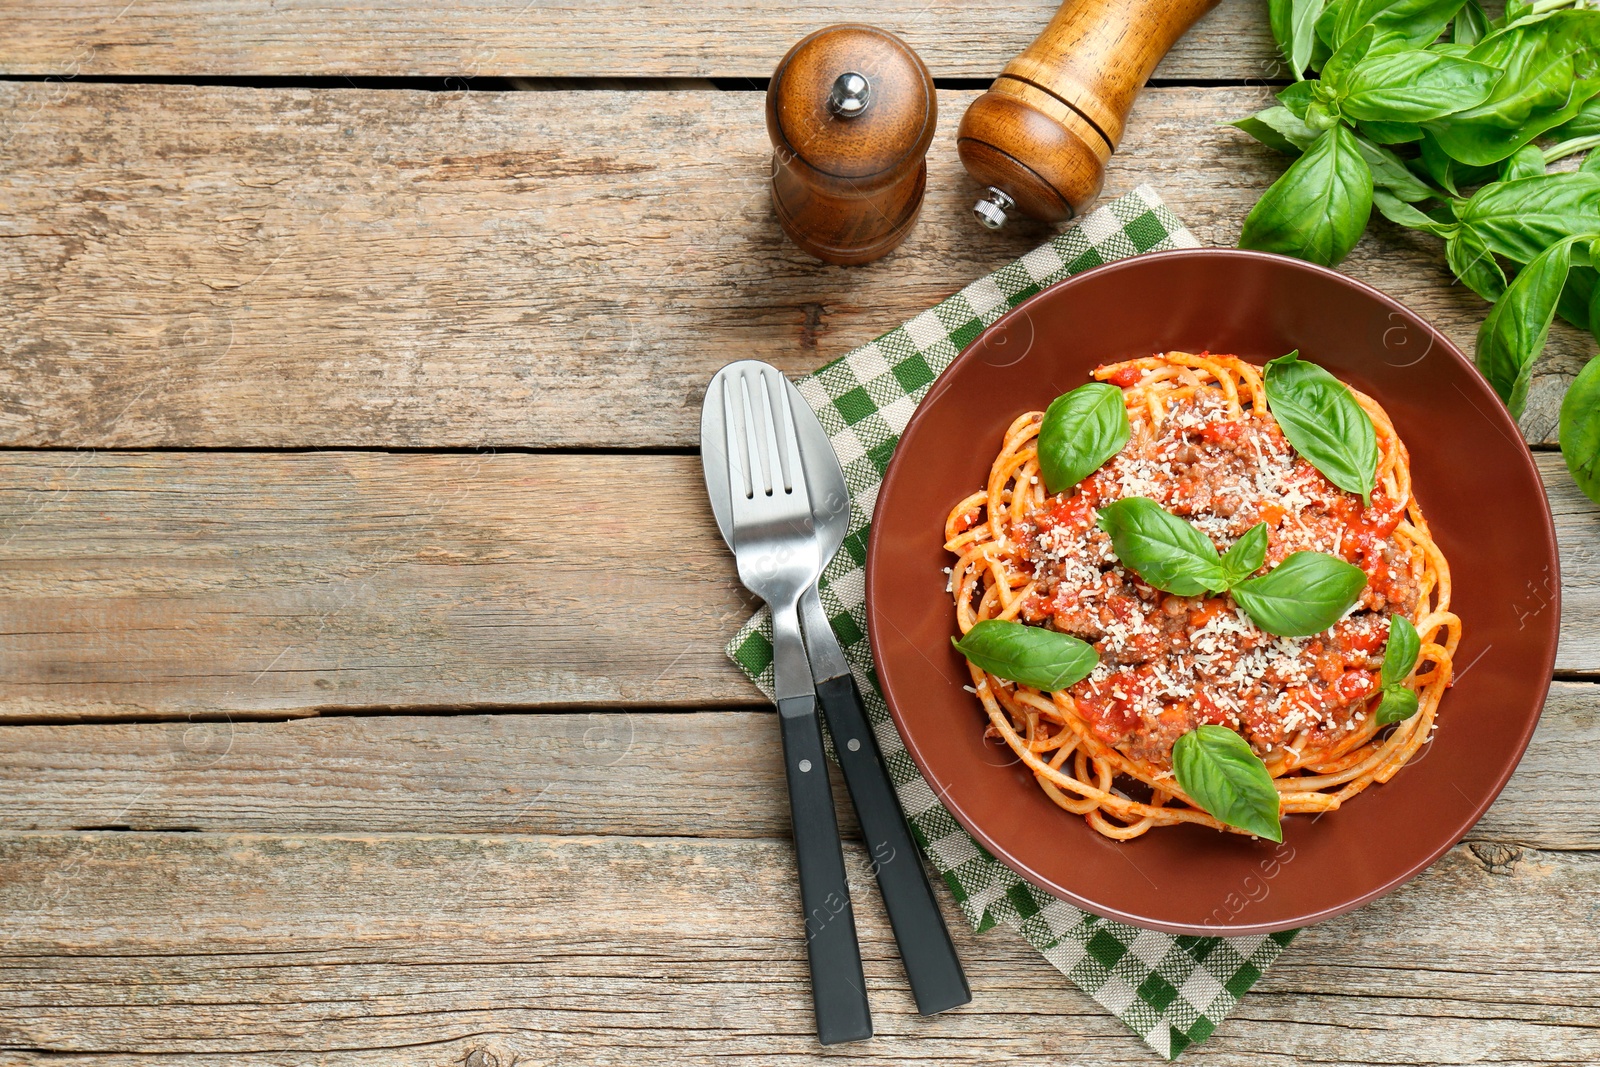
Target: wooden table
(361, 619)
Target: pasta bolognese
(1203, 444)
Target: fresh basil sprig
(1304, 595)
(1325, 424)
(1081, 430)
(1432, 119)
(1399, 702)
(1030, 655)
(1217, 770)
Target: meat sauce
(1168, 663)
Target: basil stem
(1325, 424)
(1166, 551)
(1303, 595)
(1029, 655)
(1081, 430)
(1217, 770)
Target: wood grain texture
(603, 950)
(210, 266)
(174, 585)
(707, 774)
(606, 38)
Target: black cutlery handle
(932, 967)
(838, 988)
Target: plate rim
(1229, 929)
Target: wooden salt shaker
(1040, 137)
(851, 111)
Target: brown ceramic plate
(1472, 474)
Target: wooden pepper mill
(851, 111)
(1040, 137)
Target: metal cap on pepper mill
(851, 112)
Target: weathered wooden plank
(232, 267)
(589, 950)
(608, 38)
(169, 585)
(711, 774)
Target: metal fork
(775, 544)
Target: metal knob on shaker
(1040, 137)
(851, 111)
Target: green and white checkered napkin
(1171, 990)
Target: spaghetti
(1204, 445)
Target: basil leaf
(1525, 162)
(1350, 51)
(1550, 67)
(1164, 550)
(1579, 429)
(1586, 123)
(1246, 556)
(1030, 655)
(1390, 172)
(1576, 297)
(1297, 97)
(1319, 208)
(1277, 127)
(1400, 654)
(1413, 86)
(1473, 264)
(1217, 770)
(1511, 338)
(1412, 23)
(1391, 132)
(1451, 175)
(1591, 163)
(1470, 25)
(1303, 595)
(1294, 27)
(1515, 11)
(1397, 705)
(1081, 430)
(1401, 213)
(1321, 419)
(1522, 218)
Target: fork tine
(754, 440)
(793, 464)
(738, 471)
(767, 434)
